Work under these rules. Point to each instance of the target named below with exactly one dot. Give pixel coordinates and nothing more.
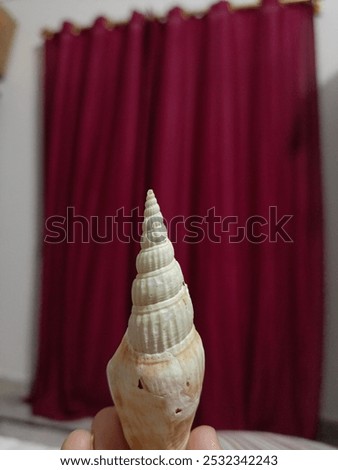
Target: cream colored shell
(156, 374)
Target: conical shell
(156, 374)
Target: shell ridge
(156, 272)
(167, 354)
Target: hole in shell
(178, 410)
(187, 383)
(140, 384)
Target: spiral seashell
(156, 374)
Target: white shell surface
(156, 374)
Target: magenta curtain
(218, 115)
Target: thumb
(203, 438)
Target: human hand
(107, 434)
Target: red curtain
(218, 115)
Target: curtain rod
(76, 30)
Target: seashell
(156, 374)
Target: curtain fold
(218, 115)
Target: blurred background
(24, 179)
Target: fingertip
(80, 439)
(203, 438)
(107, 430)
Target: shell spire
(156, 374)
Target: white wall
(19, 171)
(327, 60)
